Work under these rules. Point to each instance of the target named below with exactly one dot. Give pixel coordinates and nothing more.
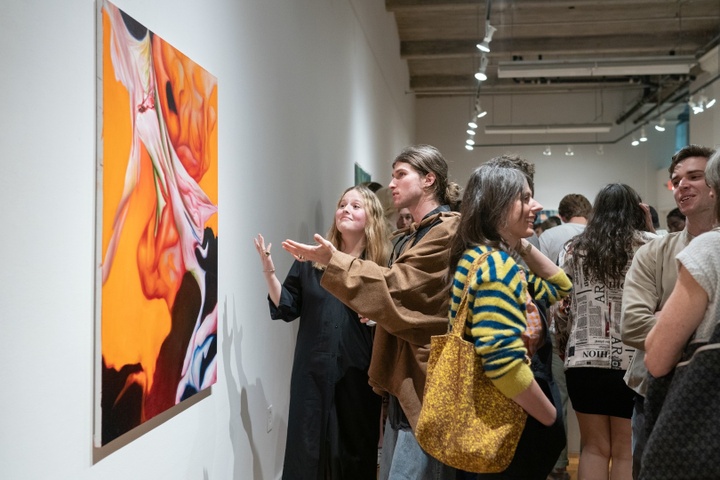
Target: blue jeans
(403, 459)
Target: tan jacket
(409, 301)
(648, 284)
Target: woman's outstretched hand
(264, 253)
(262, 250)
(320, 253)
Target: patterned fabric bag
(465, 421)
(681, 419)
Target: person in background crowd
(553, 221)
(675, 220)
(653, 272)
(373, 186)
(384, 194)
(595, 358)
(655, 223)
(404, 219)
(333, 423)
(497, 215)
(547, 224)
(455, 192)
(573, 210)
(408, 300)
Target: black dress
(333, 423)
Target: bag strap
(458, 327)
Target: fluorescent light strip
(677, 65)
(535, 129)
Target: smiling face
(692, 195)
(520, 217)
(350, 216)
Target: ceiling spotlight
(470, 131)
(470, 141)
(472, 123)
(643, 135)
(479, 111)
(634, 142)
(484, 46)
(660, 127)
(469, 147)
(547, 152)
(569, 152)
(697, 107)
(710, 103)
(480, 75)
(600, 150)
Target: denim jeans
(403, 459)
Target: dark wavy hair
(604, 250)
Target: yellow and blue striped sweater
(497, 313)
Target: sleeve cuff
(515, 381)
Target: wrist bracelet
(272, 270)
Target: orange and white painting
(157, 226)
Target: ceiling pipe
(645, 99)
(609, 142)
(638, 105)
(675, 94)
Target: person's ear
(429, 180)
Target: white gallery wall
(306, 90)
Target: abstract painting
(156, 287)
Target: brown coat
(409, 301)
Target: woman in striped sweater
(505, 325)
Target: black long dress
(333, 423)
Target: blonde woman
(333, 423)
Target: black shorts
(599, 391)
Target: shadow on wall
(237, 397)
(242, 399)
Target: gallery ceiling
(438, 39)
(557, 46)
